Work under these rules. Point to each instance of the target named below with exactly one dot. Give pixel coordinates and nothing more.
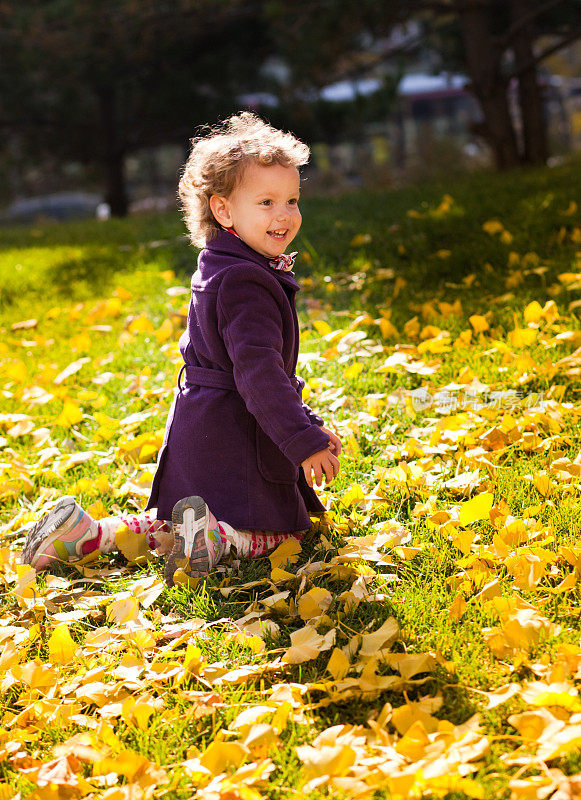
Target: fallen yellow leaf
(476, 509)
(61, 647)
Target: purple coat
(238, 430)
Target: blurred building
(378, 129)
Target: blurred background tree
(498, 42)
(96, 81)
(492, 41)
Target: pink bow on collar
(284, 262)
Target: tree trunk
(113, 156)
(534, 128)
(488, 83)
(115, 185)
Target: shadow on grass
(93, 271)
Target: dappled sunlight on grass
(425, 642)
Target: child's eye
(293, 202)
(266, 202)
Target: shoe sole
(194, 540)
(49, 528)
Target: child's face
(263, 208)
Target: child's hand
(335, 442)
(323, 463)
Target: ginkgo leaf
(463, 540)
(62, 649)
(133, 545)
(314, 603)
(562, 694)
(286, 553)
(533, 312)
(410, 664)
(522, 337)
(279, 575)
(353, 370)
(307, 644)
(479, 323)
(407, 715)
(22, 428)
(139, 712)
(247, 718)
(224, 755)
(388, 330)
(193, 660)
(338, 664)
(502, 695)
(59, 774)
(544, 484)
(383, 637)
(493, 226)
(476, 509)
(120, 611)
(72, 368)
(322, 327)
(97, 510)
(326, 759)
(126, 762)
(353, 495)
(35, 675)
(140, 324)
(561, 743)
(10, 655)
(359, 239)
(147, 590)
(414, 742)
(458, 607)
(71, 414)
(165, 331)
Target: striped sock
(253, 543)
(145, 524)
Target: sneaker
(59, 536)
(197, 549)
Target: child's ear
(220, 208)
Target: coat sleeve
(314, 418)
(250, 323)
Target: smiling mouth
(279, 234)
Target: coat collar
(226, 244)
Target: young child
(238, 434)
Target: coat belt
(215, 378)
(201, 376)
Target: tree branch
(520, 68)
(504, 40)
(373, 61)
(452, 7)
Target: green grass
(356, 249)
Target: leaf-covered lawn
(425, 642)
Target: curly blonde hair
(218, 159)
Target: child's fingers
(331, 468)
(318, 470)
(331, 465)
(322, 468)
(336, 445)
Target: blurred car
(59, 206)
